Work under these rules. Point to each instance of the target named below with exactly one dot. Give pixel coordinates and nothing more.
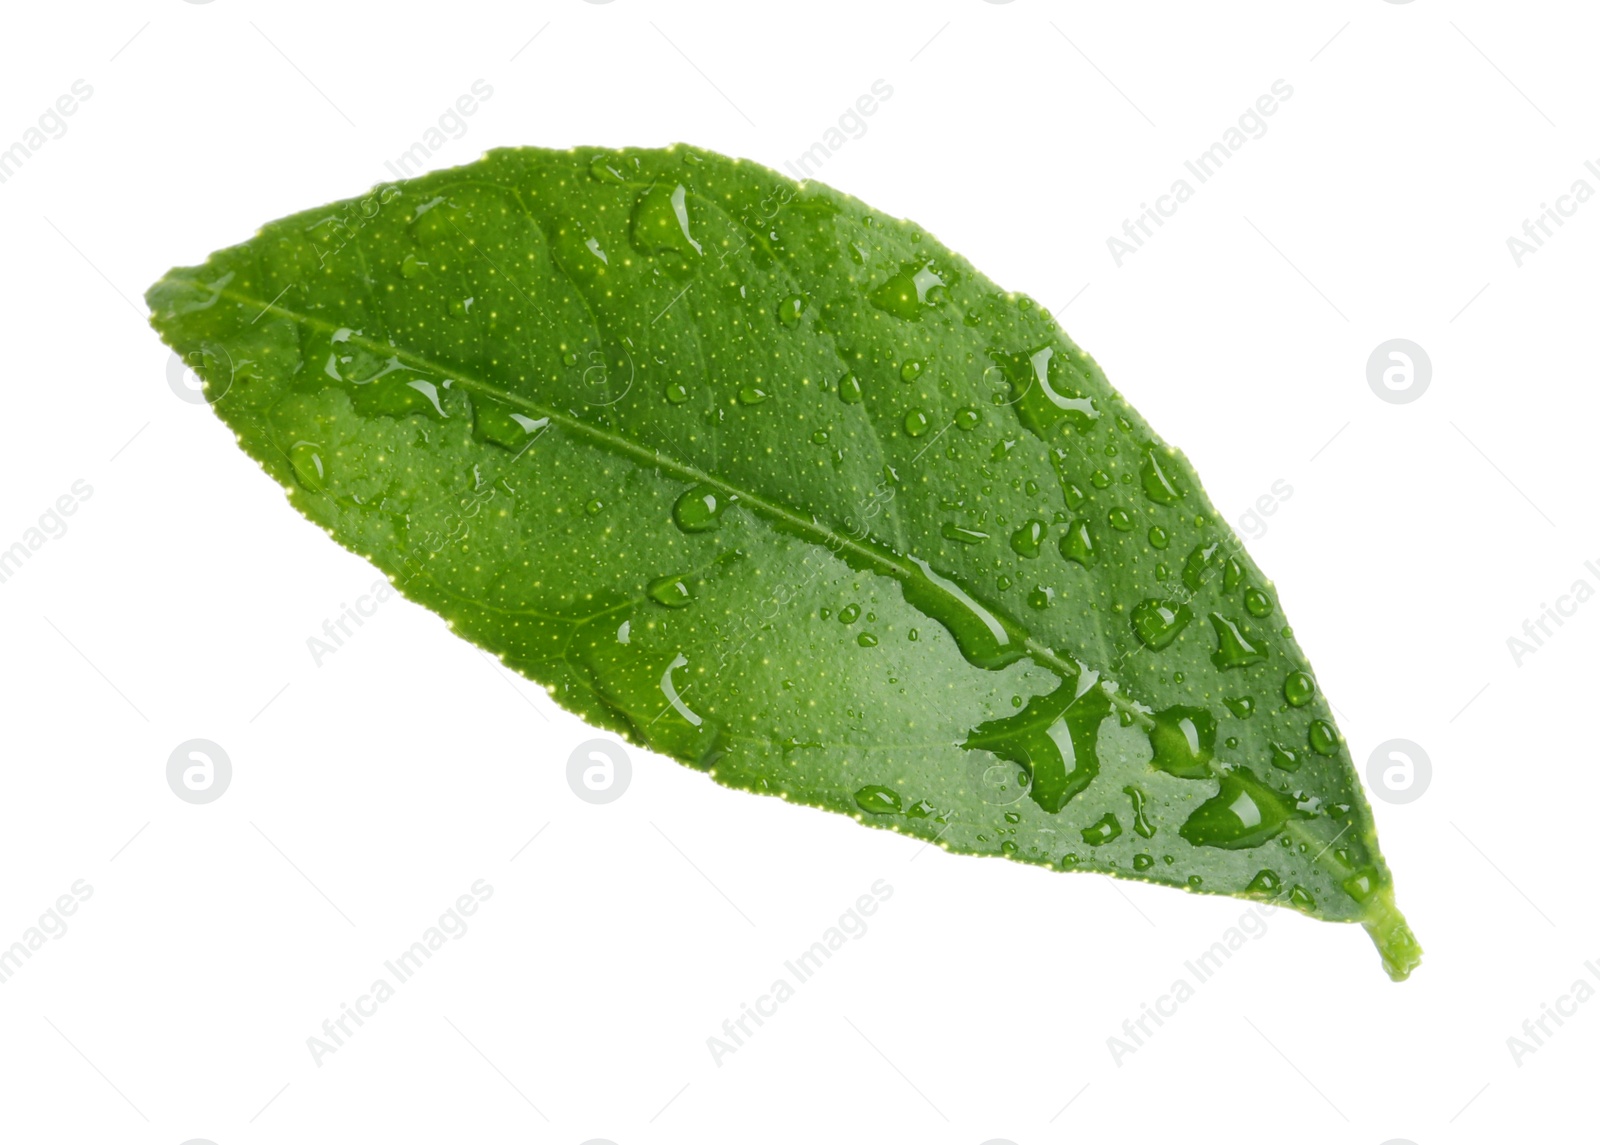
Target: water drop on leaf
(1028, 537)
(661, 222)
(1242, 814)
(1077, 544)
(1257, 603)
(954, 532)
(306, 461)
(1234, 648)
(699, 510)
(1324, 738)
(877, 800)
(1158, 484)
(1266, 883)
(1182, 739)
(1157, 623)
(1299, 689)
(1102, 831)
(669, 592)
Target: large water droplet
(1183, 739)
(1234, 648)
(661, 222)
(1141, 824)
(1257, 603)
(1157, 622)
(1102, 831)
(1241, 814)
(915, 288)
(306, 460)
(669, 591)
(951, 531)
(1242, 706)
(1201, 561)
(1158, 483)
(1360, 885)
(1029, 536)
(1041, 387)
(1266, 883)
(699, 510)
(496, 422)
(1077, 544)
(1299, 689)
(1324, 738)
(878, 800)
(1055, 737)
(983, 637)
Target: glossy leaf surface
(782, 488)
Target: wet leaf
(782, 488)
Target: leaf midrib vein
(616, 443)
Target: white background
(369, 792)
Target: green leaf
(780, 487)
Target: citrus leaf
(780, 487)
